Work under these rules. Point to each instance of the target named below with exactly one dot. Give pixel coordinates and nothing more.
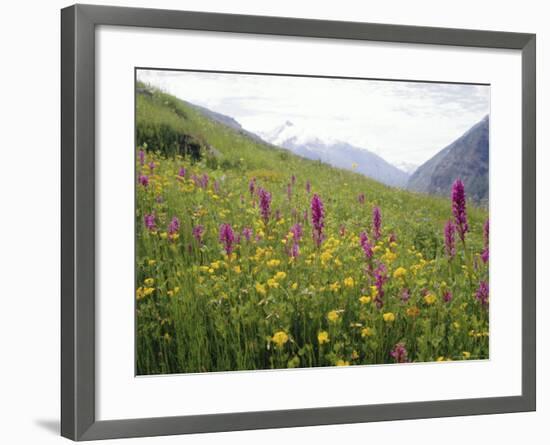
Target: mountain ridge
(225, 120)
(467, 158)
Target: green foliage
(212, 162)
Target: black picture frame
(78, 181)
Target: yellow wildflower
(173, 292)
(280, 275)
(237, 269)
(149, 281)
(430, 298)
(367, 332)
(272, 282)
(280, 338)
(151, 262)
(333, 316)
(348, 282)
(334, 287)
(354, 355)
(342, 363)
(466, 354)
(400, 272)
(294, 286)
(326, 256)
(365, 299)
(260, 288)
(413, 311)
(389, 256)
(388, 317)
(273, 263)
(322, 337)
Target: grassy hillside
(206, 303)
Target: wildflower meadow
(249, 257)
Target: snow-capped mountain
(336, 153)
(291, 132)
(407, 167)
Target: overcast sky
(404, 122)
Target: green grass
(199, 310)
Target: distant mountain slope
(336, 153)
(466, 158)
(225, 120)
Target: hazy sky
(404, 122)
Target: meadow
(249, 257)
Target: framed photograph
(272, 222)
